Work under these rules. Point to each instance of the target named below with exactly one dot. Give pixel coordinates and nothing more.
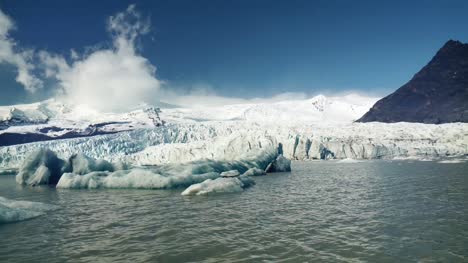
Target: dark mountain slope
(436, 94)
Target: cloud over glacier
(113, 79)
(11, 54)
(116, 78)
(112, 76)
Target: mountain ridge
(438, 93)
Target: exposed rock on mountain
(436, 94)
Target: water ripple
(322, 211)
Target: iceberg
(13, 211)
(280, 164)
(44, 167)
(134, 178)
(41, 167)
(171, 175)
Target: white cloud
(74, 55)
(113, 79)
(205, 95)
(22, 60)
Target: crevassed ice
(45, 167)
(169, 175)
(228, 140)
(134, 178)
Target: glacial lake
(378, 211)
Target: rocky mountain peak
(438, 93)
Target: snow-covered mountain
(51, 119)
(316, 128)
(319, 109)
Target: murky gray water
(323, 211)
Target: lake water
(375, 211)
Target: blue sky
(251, 48)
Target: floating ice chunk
(41, 167)
(349, 160)
(280, 164)
(134, 178)
(425, 159)
(8, 171)
(231, 173)
(453, 161)
(13, 211)
(254, 172)
(35, 206)
(220, 185)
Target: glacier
(13, 211)
(53, 120)
(319, 128)
(186, 142)
(207, 150)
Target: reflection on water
(373, 211)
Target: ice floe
(14, 211)
(231, 184)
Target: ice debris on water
(13, 211)
(254, 172)
(280, 164)
(230, 184)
